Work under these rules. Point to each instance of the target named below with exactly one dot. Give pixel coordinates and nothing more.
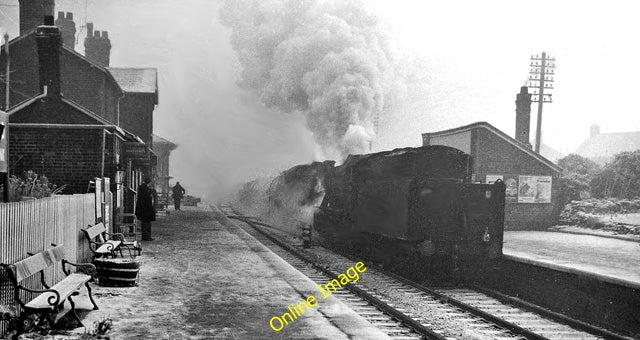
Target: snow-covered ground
(605, 256)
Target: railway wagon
(412, 204)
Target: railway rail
(407, 310)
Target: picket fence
(34, 225)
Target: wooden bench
(50, 301)
(104, 244)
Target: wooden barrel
(117, 272)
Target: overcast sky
(474, 58)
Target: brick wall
(89, 86)
(24, 70)
(51, 110)
(136, 114)
(65, 156)
(81, 81)
(493, 155)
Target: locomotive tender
(411, 206)
(412, 203)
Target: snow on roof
(604, 146)
(140, 80)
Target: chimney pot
(595, 130)
(32, 12)
(67, 29)
(48, 20)
(89, 29)
(98, 47)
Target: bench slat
(53, 255)
(29, 266)
(65, 287)
(95, 231)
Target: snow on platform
(205, 278)
(616, 261)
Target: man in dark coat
(145, 211)
(178, 193)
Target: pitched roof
(71, 51)
(550, 153)
(159, 140)
(95, 65)
(139, 80)
(603, 146)
(77, 107)
(85, 111)
(499, 133)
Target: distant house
(601, 147)
(162, 148)
(140, 86)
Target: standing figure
(145, 211)
(178, 193)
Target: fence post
(107, 204)
(99, 201)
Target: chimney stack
(49, 42)
(32, 13)
(595, 130)
(67, 29)
(523, 116)
(97, 47)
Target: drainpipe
(104, 142)
(7, 73)
(5, 182)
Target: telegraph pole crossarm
(541, 79)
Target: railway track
(407, 310)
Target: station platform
(203, 277)
(612, 260)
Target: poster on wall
(543, 189)
(534, 189)
(492, 178)
(526, 189)
(511, 188)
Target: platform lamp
(120, 170)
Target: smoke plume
(328, 60)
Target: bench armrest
(86, 268)
(53, 300)
(110, 246)
(116, 236)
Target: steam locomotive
(415, 208)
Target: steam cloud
(328, 60)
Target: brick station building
(70, 119)
(532, 200)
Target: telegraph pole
(7, 80)
(541, 79)
(4, 131)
